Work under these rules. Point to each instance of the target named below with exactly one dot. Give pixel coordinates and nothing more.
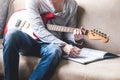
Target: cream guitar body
(19, 21)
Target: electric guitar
(92, 34)
(19, 21)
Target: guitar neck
(60, 28)
(63, 28)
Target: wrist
(66, 48)
(78, 41)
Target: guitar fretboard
(60, 28)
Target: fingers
(77, 34)
(83, 30)
(67, 48)
(74, 52)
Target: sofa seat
(69, 70)
(101, 70)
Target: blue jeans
(16, 41)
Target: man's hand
(78, 34)
(73, 51)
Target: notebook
(88, 55)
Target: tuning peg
(91, 30)
(96, 31)
(93, 34)
(102, 34)
(105, 35)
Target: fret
(49, 27)
(57, 28)
(72, 29)
(60, 27)
(53, 27)
(65, 29)
(68, 29)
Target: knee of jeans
(11, 36)
(55, 50)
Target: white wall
(103, 15)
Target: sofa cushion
(101, 70)
(3, 14)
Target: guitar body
(14, 23)
(20, 21)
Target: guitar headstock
(97, 35)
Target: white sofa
(103, 15)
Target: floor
(1, 77)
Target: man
(50, 45)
